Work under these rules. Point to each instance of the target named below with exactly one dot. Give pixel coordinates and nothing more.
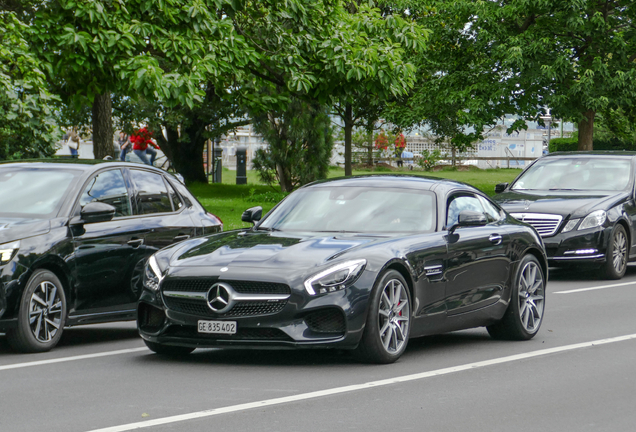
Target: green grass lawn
(228, 200)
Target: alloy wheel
(45, 311)
(619, 251)
(393, 314)
(531, 297)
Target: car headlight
(570, 225)
(335, 278)
(153, 275)
(594, 219)
(8, 251)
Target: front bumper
(333, 320)
(578, 247)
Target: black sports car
(360, 263)
(74, 240)
(582, 204)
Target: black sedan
(582, 204)
(75, 238)
(362, 263)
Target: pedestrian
(124, 145)
(73, 143)
(142, 146)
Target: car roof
(406, 181)
(87, 165)
(595, 153)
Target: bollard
(241, 165)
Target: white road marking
(595, 288)
(356, 387)
(67, 359)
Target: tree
(160, 50)
(577, 58)
(27, 127)
(300, 143)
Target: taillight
(215, 219)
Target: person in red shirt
(143, 146)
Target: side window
(174, 197)
(493, 213)
(108, 187)
(183, 191)
(458, 204)
(152, 194)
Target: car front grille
(545, 224)
(240, 309)
(244, 287)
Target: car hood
(268, 250)
(565, 203)
(17, 229)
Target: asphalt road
(577, 374)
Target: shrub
(429, 159)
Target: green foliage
(563, 144)
(429, 159)
(27, 127)
(300, 143)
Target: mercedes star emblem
(219, 297)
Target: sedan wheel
(616, 256)
(388, 322)
(42, 314)
(527, 302)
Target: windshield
(33, 192)
(354, 209)
(576, 173)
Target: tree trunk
(348, 127)
(284, 179)
(186, 156)
(586, 131)
(103, 126)
(454, 155)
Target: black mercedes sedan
(582, 204)
(361, 263)
(75, 237)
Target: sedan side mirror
(97, 212)
(252, 215)
(501, 187)
(468, 218)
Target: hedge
(571, 144)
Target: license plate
(217, 327)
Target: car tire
(388, 324)
(168, 350)
(41, 316)
(617, 253)
(524, 314)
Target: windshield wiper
(259, 228)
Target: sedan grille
(545, 224)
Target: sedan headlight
(593, 220)
(570, 225)
(335, 278)
(153, 275)
(8, 251)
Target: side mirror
(501, 187)
(252, 215)
(468, 218)
(97, 212)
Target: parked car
(361, 263)
(74, 240)
(582, 204)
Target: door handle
(495, 239)
(181, 237)
(135, 243)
